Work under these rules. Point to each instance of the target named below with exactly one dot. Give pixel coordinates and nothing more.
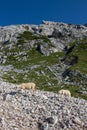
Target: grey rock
(50, 120)
(44, 126)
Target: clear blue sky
(34, 11)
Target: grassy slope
(36, 58)
(81, 52)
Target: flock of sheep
(33, 87)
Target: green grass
(27, 36)
(80, 51)
(45, 38)
(33, 57)
(73, 43)
(21, 41)
(30, 36)
(31, 76)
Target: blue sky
(34, 11)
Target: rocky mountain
(52, 54)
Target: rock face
(40, 110)
(10, 33)
(59, 33)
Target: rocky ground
(40, 110)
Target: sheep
(65, 92)
(27, 86)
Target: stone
(50, 120)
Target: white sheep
(27, 86)
(64, 92)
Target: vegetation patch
(26, 35)
(80, 51)
(30, 58)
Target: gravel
(40, 110)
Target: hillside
(40, 110)
(52, 54)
